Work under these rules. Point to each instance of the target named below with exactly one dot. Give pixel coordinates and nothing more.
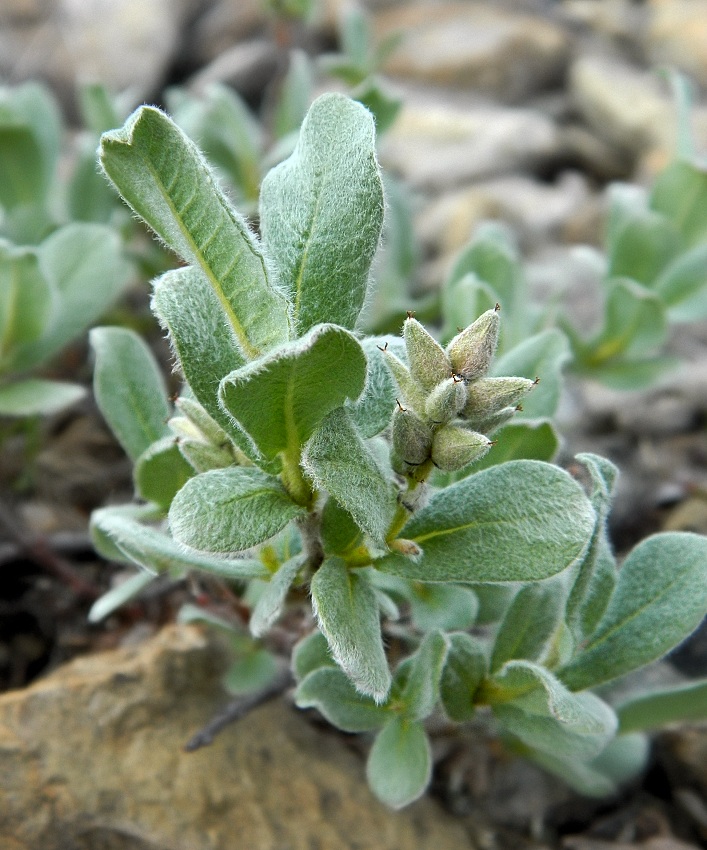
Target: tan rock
(676, 36)
(92, 757)
(475, 46)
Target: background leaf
(333, 694)
(399, 765)
(35, 396)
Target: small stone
(676, 36)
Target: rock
(475, 46)
(439, 142)
(221, 26)
(619, 20)
(537, 211)
(247, 67)
(92, 756)
(676, 36)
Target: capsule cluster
(448, 406)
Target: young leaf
(680, 704)
(346, 608)
(230, 510)
(117, 596)
(332, 693)
(321, 213)
(421, 692)
(399, 765)
(442, 606)
(683, 286)
(160, 472)
(162, 175)
(269, 605)
(35, 396)
(521, 521)
(129, 389)
(337, 459)
(660, 598)
(680, 193)
(464, 669)
(529, 623)
(643, 246)
(280, 399)
(156, 552)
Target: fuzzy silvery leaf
(129, 389)
(156, 552)
(548, 717)
(311, 653)
(530, 622)
(337, 460)
(399, 765)
(464, 669)
(660, 598)
(682, 286)
(543, 356)
(643, 246)
(203, 341)
(269, 605)
(421, 692)
(346, 608)
(521, 521)
(682, 703)
(37, 396)
(321, 214)
(333, 694)
(680, 193)
(374, 409)
(162, 175)
(117, 596)
(339, 530)
(160, 472)
(230, 510)
(281, 399)
(102, 541)
(442, 606)
(26, 302)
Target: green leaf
(346, 608)
(464, 670)
(660, 598)
(519, 440)
(252, 671)
(280, 399)
(294, 95)
(374, 409)
(86, 266)
(26, 305)
(129, 389)
(311, 653)
(230, 510)
(464, 299)
(521, 521)
(542, 356)
(156, 552)
(117, 596)
(330, 691)
(269, 605)
(98, 110)
(632, 375)
(321, 213)
(680, 704)
(384, 106)
(339, 530)
(680, 193)
(89, 195)
(442, 606)
(160, 472)
(541, 712)
(642, 247)
(35, 396)
(400, 763)
(683, 286)
(337, 460)
(421, 692)
(530, 622)
(162, 175)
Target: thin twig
(236, 710)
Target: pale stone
(475, 46)
(92, 756)
(676, 36)
(442, 143)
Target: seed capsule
(453, 448)
(410, 390)
(471, 351)
(490, 395)
(489, 424)
(429, 364)
(412, 438)
(446, 400)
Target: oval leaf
(400, 763)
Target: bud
(412, 438)
(211, 430)
(470, 351)
(446, 400)
(429, 364)
(453, 448)
(204, 456)
(490, 395)
(410, 390)
(489, 424)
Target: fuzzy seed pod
(429, 364)
(445, 401)
(412, 438)
(453, 448)
(410, 390)
(203, 456)
(490, 395)
(487, 425)
(471, 351)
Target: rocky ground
(523, 112)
